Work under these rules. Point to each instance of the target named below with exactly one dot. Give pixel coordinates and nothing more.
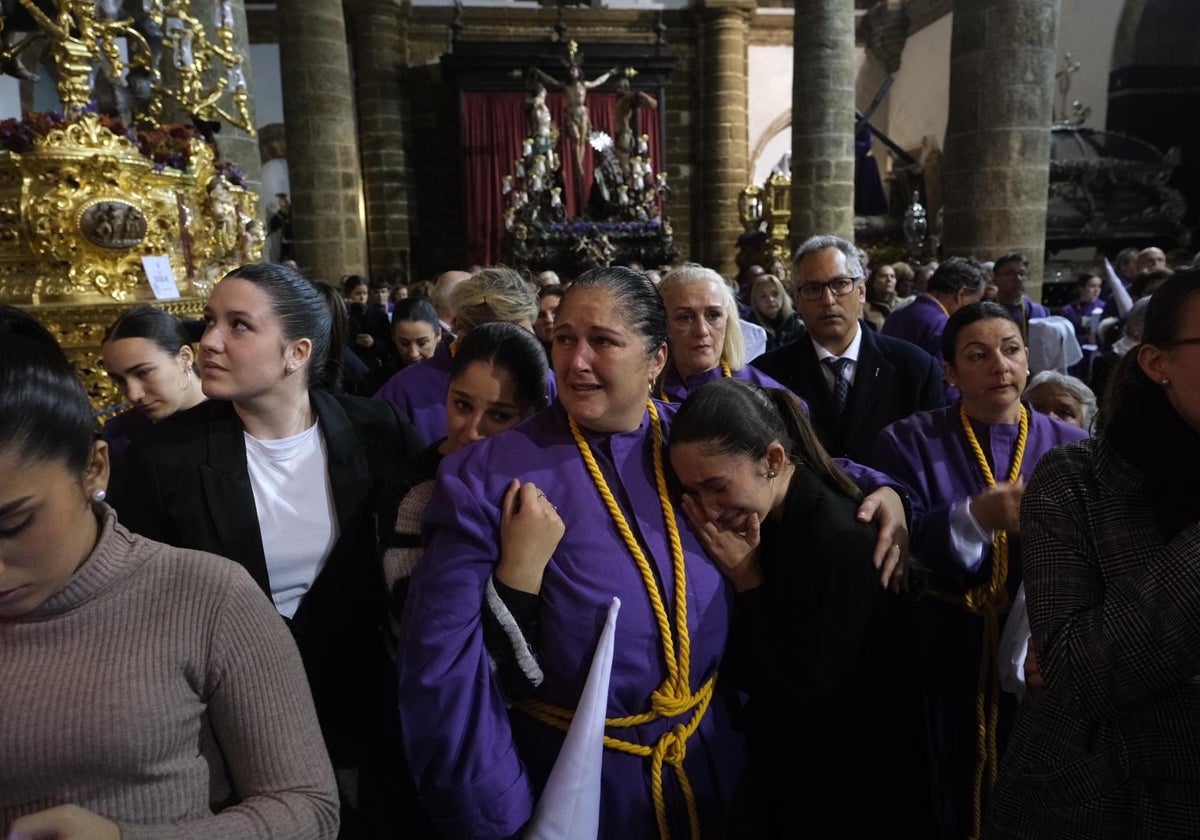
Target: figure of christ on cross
(578, 123)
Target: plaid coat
(1111, 747)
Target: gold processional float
(95, 203)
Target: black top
(831, 696)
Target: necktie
(841, 384)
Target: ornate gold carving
(110, 223)
(80, 210)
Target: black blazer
(893, 379)
(186, 483)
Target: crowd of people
(341, 568)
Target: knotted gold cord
(454, 347)
(674, 697)
(725, 372)
(988, 601)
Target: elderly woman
(704, 332)
(1063, 397)
(965, 467)
(137, 679)
(1108, 747)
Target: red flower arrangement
(167, 147)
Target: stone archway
(780, 124)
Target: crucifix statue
(578, 123)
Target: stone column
(725, 163)
(235, 144)
(823, 120)
(377, 51)
(997, 161)
(318, 115)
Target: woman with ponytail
(281, 472)
(815, 644)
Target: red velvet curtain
(493, 126)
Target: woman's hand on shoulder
(530, 530)
(736, 555)
(65, 822)
(885, 508)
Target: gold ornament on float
(86, 194)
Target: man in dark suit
(854, 380)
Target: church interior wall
(1087, 30)
(913, 113)
(917, 105)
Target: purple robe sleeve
(456, 729)
(917, 460)
(927, 453)
(419, 393)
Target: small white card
(161, 277)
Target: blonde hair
(787, 311)
(492, 294)
(733, 352)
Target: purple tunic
(419, 393)
(477, 765)
(929, 454)
(1080, 316)
(675, 388)
(920, 323)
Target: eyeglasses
(1177, 342)
(838, 287)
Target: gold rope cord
(674, 697)
(987, 601)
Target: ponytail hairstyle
(732, 417)
(636, 302)
(492, 294)
(45, 415)
(159, 327)
(305, 309)
(983, 310)
(417, 309)
(515, 349)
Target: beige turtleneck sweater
(113, 692)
